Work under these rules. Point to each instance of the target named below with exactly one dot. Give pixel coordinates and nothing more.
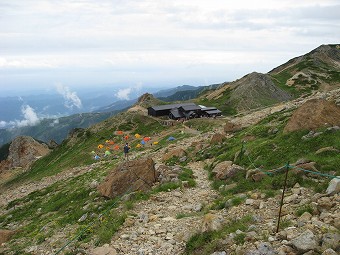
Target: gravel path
(157, 228)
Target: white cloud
(30, 119)
(127, 93)
(71, 98)
(123, 94)
(3, 124)
(55, 122)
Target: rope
(252, 163)
(313, 172)
(289, 166)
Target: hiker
(126, 151)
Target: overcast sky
(155, 43)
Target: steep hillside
(255, 90)
(317, 70)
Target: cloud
(55, 122)
(71, 98)
(3, 124)
(123, 94)
(127, 93)
(30, 119)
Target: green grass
(207, 242)
(273, 151)
(220, 103)
(77, 152)
(302, 209)
(285, 224)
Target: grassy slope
(59, 206)
(308, 64)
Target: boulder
(217, 138)
(103, 250)
(310, 166)
(257, 177)
(314, 114)
(305, 242)
(128, 177)
(262, 249)
(331, 240)
(230, 127)
(24, 151)
(174, 153)
(5, 235)
(329, 252)
(226, 169)
(333, 186)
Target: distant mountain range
(317, 70)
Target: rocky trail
(163, 224)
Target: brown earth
(314, 114)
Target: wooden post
(241, 152)
(283, 194)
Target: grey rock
(94, 184)
(219, 253)
(183, 159)
(331, 240)
(83, 218)
(305, 242)
(329, 252)
(262, 249)
(198, 207)
(333, 186)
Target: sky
(61, 46)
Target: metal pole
(283, 194)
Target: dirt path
(164, 223)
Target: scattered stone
(94, 184)
(331, 240)
(262, 249)
(305, 242)
(329, 252)
(83, 218)
(333, 186)
(104, 250)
